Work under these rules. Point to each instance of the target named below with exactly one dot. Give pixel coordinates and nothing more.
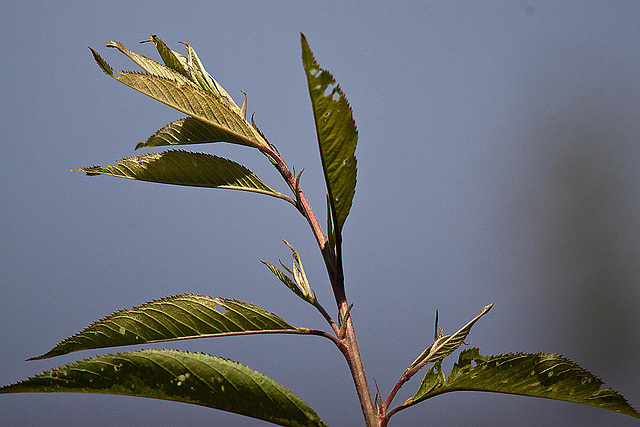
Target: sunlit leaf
(170, 318)
(337, 135)
(288, 281)
(445, 345)
(185, 168)
(299, 284)
(205, 80)
(188, 130)
(191, 100)
(152, 67)
(299, 275)
(171, 59)
(194, 378)
(550, 376)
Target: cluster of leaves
(212, 116)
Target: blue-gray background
(497, 162)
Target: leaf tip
(101, 62)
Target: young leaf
(180, 376)
(289, 283)
(550, 376)
(171, 59)
(188, 130)
(205, 80)
(300, 284)
(170, 318)
(299, 275)
(191, 100)
(445, 345)
(185, 168)
(337, 136)
(152, 67)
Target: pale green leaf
(170, 318)
(185, 168)
(191, 100)
(152, 67)
(299, 284)
(445, 345)
(205, 80)
(288, 282)
(299, 275)
(188, 130)
(337, 136)
(179, 376)
(171, 59)
(550, 376)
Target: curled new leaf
(171, 59)
(185, 168)
(298, 273)
(445, 345)
(288, 281)
(180, 376)
(171, 318)
(544, 375)
(299, 284)
(337, 136)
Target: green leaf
(337, 136)
(189, 131)
(194, 378)
(299, 284)
(185, 168)
(550, 376)
(288, 281)
(299, 275)
(170, 318)
(172, 59)
(205, 80)
(445, 345)
(152, 67)
(193, 74)
(191, 100)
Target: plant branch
(327, 317)
(347, 344)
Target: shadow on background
(584, 208)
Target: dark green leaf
(170, 318)
(337, 136)
(194, 378)
(185, 168)
(527, 374)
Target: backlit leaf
(188, 130)
(191, 100)
(550, 376)
(170, 318)
(150, 66)
(185, 168)
(445, 345)
(171, 59)
(194, 378)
